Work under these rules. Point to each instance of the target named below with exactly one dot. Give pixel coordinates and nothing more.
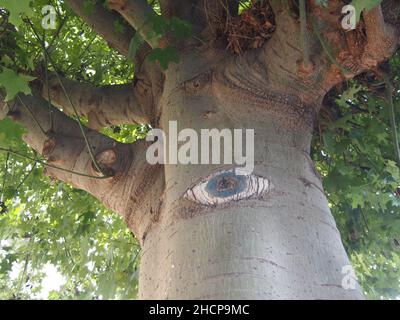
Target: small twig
(89, 147)
(5, 175)
(32, 114)
(392, 115)
(82, 53)
(50, 165)
(327, 47)
(25, 268)
(48, 92)
(304, 38)
(26, 176)
(365, 220)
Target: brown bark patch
(48, 147)
(116, 4)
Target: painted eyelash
(227, 186)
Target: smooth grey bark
(103, 106)
(281, 245)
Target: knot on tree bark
(106, 160)
(198, 83)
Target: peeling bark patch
(226, 186)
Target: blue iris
(226, 185)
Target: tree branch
(339, 54)
(61, 143)
(382, 39)
(102, 22)
(133, 183)
(103, 106)
(139, 14)
(356, 53)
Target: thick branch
(103, 106)
(60, 142)
(382, 39)
(133, 184)
(140, 15)
(102, 22)
(356, 54)
(335, 54)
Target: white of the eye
(256, 186)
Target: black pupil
(225, 184)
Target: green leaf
(134, 45)
(393, 170)
(164, 56)
(182, 29)
(329, 141)
(88, 6)
(14, 83)
(119, 26)
(10, 132)
(9, 193)
(16, 9)
(364, 5)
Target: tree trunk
(279, 244)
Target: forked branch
(140, 15)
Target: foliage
(364, 5)
(49, 222)
(176, 28)
(355, 155)
(16, 9)
(14, 83)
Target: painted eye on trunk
(226, 186)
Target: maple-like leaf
(16, 9)
(14, 83)
(364, 5)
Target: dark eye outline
(227, 186)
